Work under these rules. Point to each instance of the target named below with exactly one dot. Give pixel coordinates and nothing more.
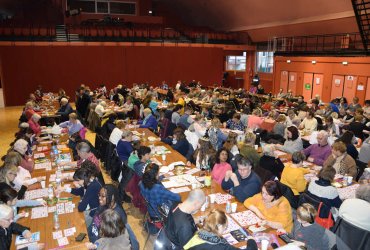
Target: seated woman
(222, 166)
(271, 163)
(210, 235)
(8, 228)
(155, 195)
(34, 124)
(341, 161)
(109, 199)
(270, 206)
(113, 233)
(124, 146)
(310, 233)
(179, 142)
(347, 138)
(293, 174)
(204, 155)
(322, 190)
(231, 144)
(309, 124)
(116, 134)
(216, 136)
(143, 154)
(20, 147)
(235, 123)
(175, 118)
(293, 142)
(73, 125)
(280, 126)
(87, 186)
(255, 120)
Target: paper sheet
(36, 194)
(180, 190)
(246, 218)
(39, 212)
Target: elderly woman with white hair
(34, 124)
(64, 110)
(20, 147)
(101, 108)
(270, 162)
(149, 120)
(356, 211)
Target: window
(236, 63)
(265, 61)
(122, 8)
(102, 7)
(86, 6)
(105, 7)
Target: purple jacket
(318, 153)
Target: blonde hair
(5, 170)
(250, 138)
(214, 220)
(5, 210)
(339, 146)
(281, 118)
(73, 116)
(120, 124)
(307, 213)
(216, 122)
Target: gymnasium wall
(328, 78)
(22, 68)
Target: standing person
(82, 102)
(180, 226)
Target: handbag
(324, 222)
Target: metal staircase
(362, 12)
(61, 34)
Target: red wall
(327, 66)
(54, 67)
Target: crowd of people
(216, 130)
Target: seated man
(64, 110)
(180, 226)
(244, 183)
(149, 120)
(318, 153)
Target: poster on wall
(317, 81)
(337, 82)
(360, 87)
(292, 79)
(307, 86)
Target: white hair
(103, 103)
(5, 210)
(21, 146)
(36, 117)
(64, 100)
(268, 150)
(324, 134)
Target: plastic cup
(43, 184)
(264, 244)
(256, 147)
(234, 205)
(349, 180)
(212, 198)
(163, 157)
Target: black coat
(7, 233)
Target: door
(361, 88)
(367, 95)
(350, 86)
(318, 81)
(292, 82)
(337, 86)
(284, 81)
(307, 86)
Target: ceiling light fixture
(313, 62)
(288, 61)
(345, 63)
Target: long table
(45, 225)
(150, 139)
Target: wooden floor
(9, 126)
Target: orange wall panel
(337, 86)
(350, 86)
(307, 90)
(367, 95)
(361, 88)
(284, 79)
(292, 82)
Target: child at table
(310, 233)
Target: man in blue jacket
(244, 183)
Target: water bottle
(50, 192)
(56, 221)
(228, 207)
